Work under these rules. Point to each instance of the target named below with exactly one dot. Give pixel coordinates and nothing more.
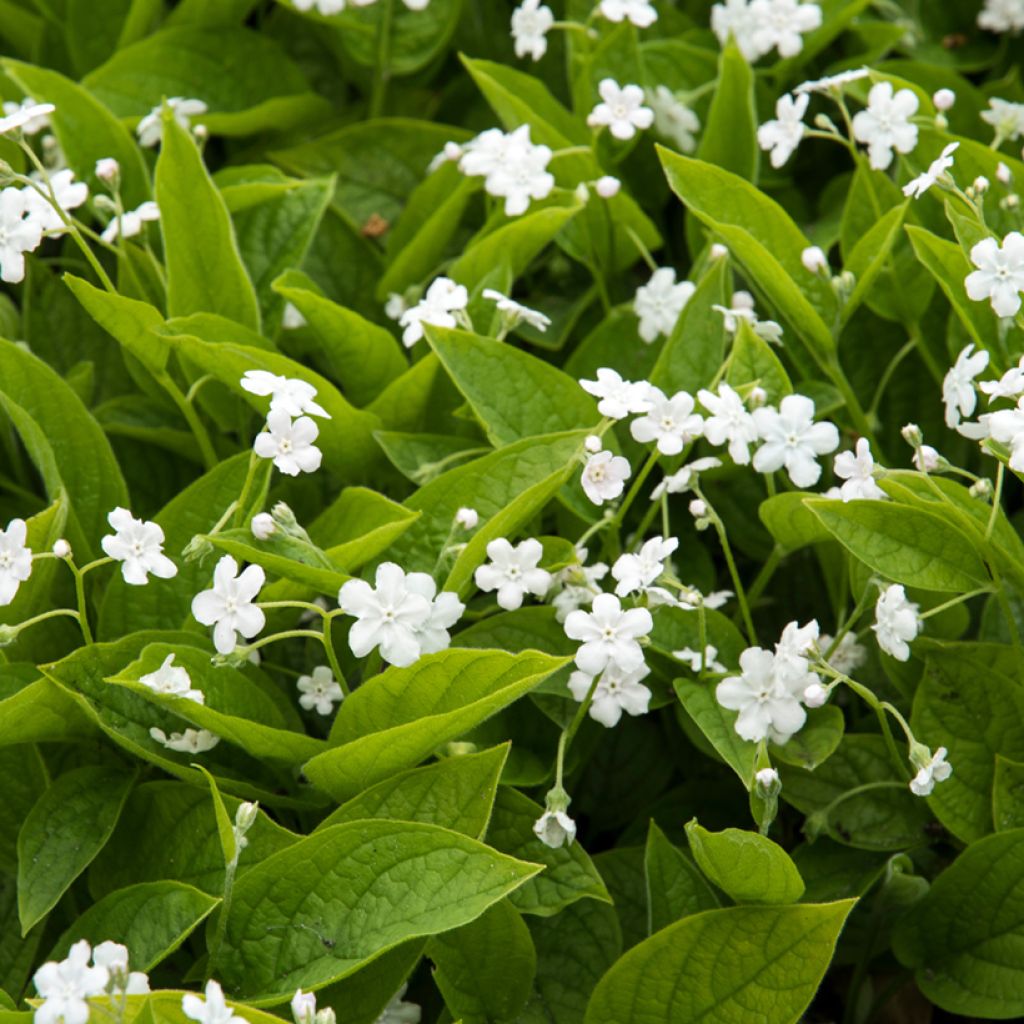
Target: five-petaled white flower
(793, 440)
(734, 18)
(555, 829)
(65, 986)
(1007, 426)
(636, 572)
(130, 223)
(172, 681)
(513, 167)
(857, 472)
(673, 119)
(1002, 16)
(659, 303)
(139, 547)
(608, 635)
(729, 422)
(849, 654)
(604, 476)
(15, 560)
(621, 109)
(289, 394)
(618, 397)
(150, 129)
(1007, 118)
(289, 443)
(896, 622)
(616, 691)
(212, 1010)
(768, 703)
(113, 957)
(935, 769)
(513, 572)
(228, 606)
(68, 193)
(670, 422)
(640, 12)
(516, 312)
(958, 392)
(936, 169)
(531, 22)
(780, 24)
(319, 690)
(19, 233)
(783, 134)
(191, 741)
(29, 116)
(1000, 273)
(443, 298)
(885, 125)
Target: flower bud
(698, 508)
(201, 132)
(927, 459)
(62, 549)
(467, 518)
(108, 170)
(245, 816)
(980, 184)
(592, 443)
(607, 186)
(814, 259)
(944, 99)
(263, 526)
(8, 634)
(757, 397)
(1003, 173)
(197, 549)
(326, 1016)
(981, 489)
(742, 300)
(718, 251)
(303, 1007)
(825, 123)
(395, 306)
(768, 779)
(1012, 201)
(911, 433)
(460, 748)
(582, 193)
(815, 695)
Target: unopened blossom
(897, 622)
(130, 223)
(1002, 16)
(138, 545)
(640, 12)
(467, 518)
(783, 134)
(555, 829)
(531, 22)
(319, 690)
(262, 526)
(150, 129)
(673, 119)
(935, 769)
(303, 1006)
(289, 394)
(729, 423)
(683, 479)
(229, 605)
(621, 109)
(670, 422)
(61, 548)
(389, 615)
(792, 440)
(68, 193)
(958, 392)
(113, 957)
(29, 116)
(609, 635)
(768, 708)
(516, 312)
(15, 560)
(1000, 273)
(814, 259)
(832, 83)
(618, 398)
(65, 985)
(944, 99)
(616, 691)
(636, 572)
(211, 1010)
(604, 476)
(659, 303)
(849, 654)
(289, 443)
(698, 662)
(1007, 427)
(607, 187)
(443, 298)
(927, 459)
(19, 233)
(191, 741)
(857, 469)
(172, 681)
(936, 169)
(513, 571)
(780, 24)
(885, 125)
(108, 170)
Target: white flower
(289, 394)
(555, 829)
(793, 645)
(172, 681)
(303, 1005)
(397, 1011)
(936, 769)
(114, 958)
(896, 622)
(513, 572)
(640, 12)
(108, 170)
(927, 459)
(138, 546)
(621, 109)
(696, 661)
(814, 259)
(319, 690)
(130, 223)
(673, 119)
(637, 572)
(65, 986)
(228, 606)
(513, 167)
(958, 392)
(445, 609)
(684, 478)
(1002, 16)
(467, 518)
(580, 584)
(516, 312)
(150, 129)
(734, 17)
(793, 440)
(885, 125)
(1000, 273)
(19, 233)
(289, 443)
(263, 526)
(61, 548)
(780, 24)
(70, 194)
(395, 305)
(659, 303)
(604, 476)
(857, 470)
(328, 7)
(531, 22)
(214, 1010)
(388, 615)
(15, 560)
(1007, 118)
(832, 82)
(616, 691)
(848, 656)
(29, 116)
(608, 635)
(443, 297)
(670, 422)
(767, 708)
(191, 741)
(607, 187)
(729, 422)
(618, 397)
(783, 135)
(936, 169)
(1007, 426)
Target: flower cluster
(290, 431)
(513, 167)
(760, 26)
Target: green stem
(953, 601)
(382, 71)
(230, 868)
(288, 634)
(766, 572)
(996, 500)
(634, 490)
(83, 612)
(328, 642)
(188, 411)
(250, 475)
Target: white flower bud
(927, 459)
(1012, 201)
(326, 1016)
(201, 132)
(698, 508)
(767, 778)
(980, 184)
(245, 816)
(815, 695)
(582, 193)
(825, 123)
(592, 443)
(911, 433)
(757, 397)
(981, 489)
(461, 748)
(944, 99)
(62, 549)
(303, 1007)
(108, 170)
(263, 526)
(718, 251)
(814, 259)
(395, 306)
(1003, 173)
(607, 186)
(742, 300)
(467, 518)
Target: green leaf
(752, 361)
(320, 910)
(1008, 794)
(359, 525)
(456, 793)
(41, 712)
(205, 273)
(724, 965)
(225, 828)
(569, 873)
(26, 778)
(151, 919)
(791, 522)
(397, 719)
(908, 545)
(718, 725)
(869, 257)
(485, 969)
(729, 136)
(815, 742)
(963, 939)
(67, 827)
(748, 867)
(675, 888)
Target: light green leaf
(41, 712)
(869, 257)
(225, 828)
(675, 888)
(359, 525)
(815, 742)
(752, 361)
(791, 522)
(364, 887)
(729, 135)
(718, 725)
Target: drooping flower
(319, 690)
(848, 656)
(616, 691)
(621, 109)
(531, 22)
(783, 134)
(229, 605)
(191, 741)
(15, 560)
(832, 83)
(289, 394)
(935, 769)
(729, 423)
(289, 443)
(1007, 118)
(897, 622)
(555, 829)
(604, 476)
(793, 440)
(513, 572)
(659, 303)
(683, 479)
(608, 635)
(936, 169)
(1007, 426)
(670, 422)
(65, 985)
(636, 572)
(150, 129)
(516, 312)
(1000, 273)
(130, 223)
(857, 472)
(173, 681)
(398, 1011)
(958, 392)
(19, 233)
(138, 545)
(640, 12)
(211, 1010)
(443, 298)
(885, 125)
(768, 708)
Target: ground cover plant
(511, 512)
